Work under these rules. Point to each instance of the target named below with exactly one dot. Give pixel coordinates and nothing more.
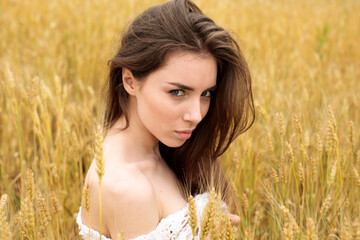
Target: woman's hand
(234, 219)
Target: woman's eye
(206, 94)
(177, 92)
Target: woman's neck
(136, 140)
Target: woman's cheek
(156, 111)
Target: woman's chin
(174, 144)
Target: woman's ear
(129, 81)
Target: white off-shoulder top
(174, 226)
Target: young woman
(179, 92)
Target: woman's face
(172, 100)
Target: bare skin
(138, 188)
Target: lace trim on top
(174, 226)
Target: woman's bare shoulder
(128, 202)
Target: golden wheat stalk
(325, 206)
(207, 215)
(290, 228)
(5, 232)
(230, 235)
(55, 208)
(86, 204)
(100, 166)
(30, 184)
(45, 216)
(311, 230)
(192, 213)
(20, 222)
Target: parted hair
(180, 25)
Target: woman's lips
(184, 134)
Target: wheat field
(296, 172)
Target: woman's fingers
(234, 219)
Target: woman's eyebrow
(212, 88)
(179, 85)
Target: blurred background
(296, 172)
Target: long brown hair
(180, 25)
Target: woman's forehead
(190, 68)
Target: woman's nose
(193, 112)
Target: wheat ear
(86, 204)
(192, 215)
(100, 166)
(5, 232)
